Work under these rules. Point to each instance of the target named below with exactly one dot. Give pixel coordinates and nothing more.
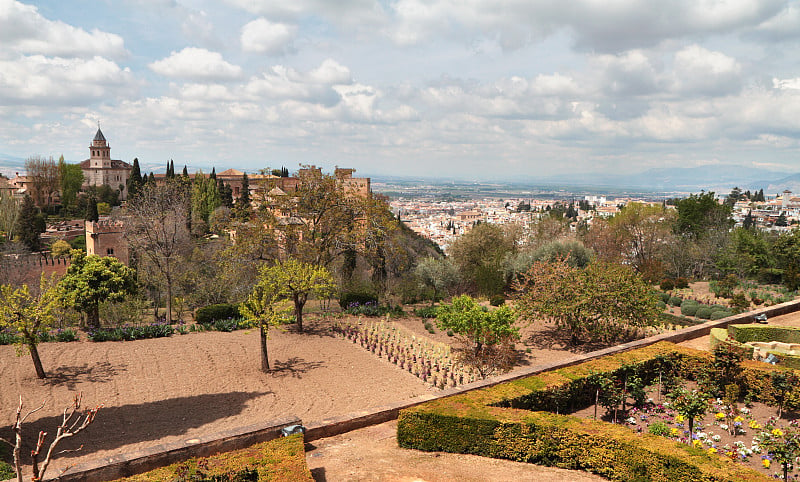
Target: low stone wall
(160, 455)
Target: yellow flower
(754, 425)
(712, 451)
(674, 432)
(776, 432)
(697, 443)
(720, 415)
(738, 419)
(679, 418)
(765, 463)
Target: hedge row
(277, 460)
(489, 422)
(212, 313)
(737, 335)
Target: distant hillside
(10, 164)
(719, 177)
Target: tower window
(109, 251)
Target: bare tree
(45, 178)
(156, 229)
(72, 422)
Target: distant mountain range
(718, 177)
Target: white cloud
(265, 37)
(40, 80)
(315, 86)
(24, 30)
(196, 64)
(784, 84)
(701, 71)
(599, 26)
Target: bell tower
(99, 150)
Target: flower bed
(506, 421)
(7, 337)
(430, 361)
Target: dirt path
(169, 389)
(372, 454)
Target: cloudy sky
(465, 88)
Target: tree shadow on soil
(115, 427)
(294, 366)
(71, 376)
(554, 338)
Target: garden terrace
(515, 421)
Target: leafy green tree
(300, 280)
(205, 197)
(91, 280)
(480, 255)
(71, 180)
(733, 197)
(691, 404)
(783, 443)
(29, 224)
(225, 193)
(700, 213)
(60, 248)
(29, 315)
(265, 307)
(600, 301)
(781, 221)
(483, 330)
(438, 274)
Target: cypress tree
(213, 174)
(171, 169)
(152, 178)
(91, 211)
(225, 193)
(135, 182)
(244, 197)
(27, 229)
(185, 172)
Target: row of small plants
(430, 361)
(372, 308)
(8, 337)
(160, 330)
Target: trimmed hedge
(690, 307)
(675, 300)
(212, 313)
(745, 333)
(502, 421)
(720, 314)
(277, 460)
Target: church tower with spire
(99, 151)
(101, 170)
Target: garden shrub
(690, 307)
(357, 297)
(212, 313)
(664, 296)
(658, 428)
(497, 300)
(426, 311)
(661, 305)
(667, 284)
(675, 301)
(681, 283)
(703, 312)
